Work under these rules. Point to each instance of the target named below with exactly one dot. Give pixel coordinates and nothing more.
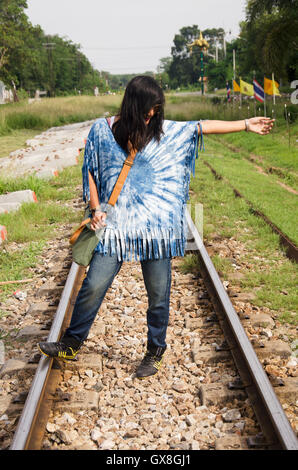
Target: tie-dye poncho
(148, 220)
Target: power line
(116, 48)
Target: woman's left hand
(260, 125)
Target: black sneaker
(151, 363)
(66, 349)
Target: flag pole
(255, 101)
(240, 94)
(273, 86)
(264, 99)
(234, 69)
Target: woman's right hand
(98, 220)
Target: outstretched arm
(98, 217)
(258, 125)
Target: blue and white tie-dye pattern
(148, 219)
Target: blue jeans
(102, 271)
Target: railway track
(212, 393)
(290, 248)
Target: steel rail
(290, 247)
(271, 417)
(272, 412)
(28, 417)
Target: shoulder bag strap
(122, 176)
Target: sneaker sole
(63, 359)
(147, 376)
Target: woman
(148, 218)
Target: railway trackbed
(212, 391)
(290, 248)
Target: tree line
(32, 60)
(267, 43)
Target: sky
(131, 36)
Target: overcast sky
(131, 36)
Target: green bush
(25, 120)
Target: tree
(13, 28)
(185, 67)
(271, 32)
(32, 60)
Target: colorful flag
(259, 92)
(236, 86)
(271, 87)
(228, 92)
(246, 88)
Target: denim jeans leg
(157, 279)
(101, 273)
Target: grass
(267, 196)
(17, 264)
(50, 112)
(272, 153)
(35, 223)
(265, 268)
(192, 107)
(15, 140)
(60, 188)
(273, 149)
(190, 264)
(271, 273)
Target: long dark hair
(141, 95)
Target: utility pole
(234, 74)
(49, 47)
(224, 43)
(79, 72)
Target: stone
(65, 436)
(4, 404)
(293, 362)
(151, 401)
(219, 394)
(207, 355)
(87, 362)
(69, 419)
(51, 427)
(31, 331)
(131, 433)
(49, 288)
(6, 207)
(266, 332)
(25, 195)
(11, 366)
(179, 386)
(229, 443)
(261, 320)
(288, 392)
(96, 434)
(3, 233)
(193, 323)
(274, 348)
(195, 445)
(2, 353)
(190, 420)
(107, 444)
(80, 400)
(231, 415)
(39, 307)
